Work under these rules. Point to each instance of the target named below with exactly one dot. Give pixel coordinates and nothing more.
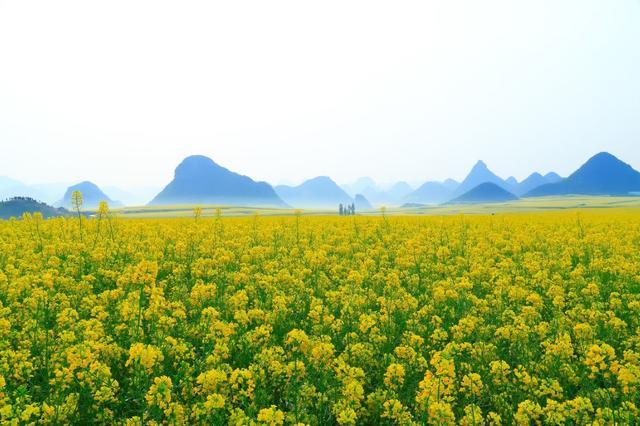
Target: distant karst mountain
(487, 192)
(17, 206)
(430, 193)
(47, 192)
(552, 177)
(480, 173)
(199, 180)
(602, 174)
(512, 182)
(359, 185)
(362, 203)
(378, 194)
(319, 192)
(13, 188)
(451, 184)
(92, 195)
(535, 180)
(398, 191)
(375, 195)
(50, 192)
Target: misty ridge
(198, 180)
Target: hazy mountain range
(52, 193)
(379, 194)
(314, 193)
(479, 174)
(46, 192)
(362, 203)
(603, 174)
(199, 180)
(442, 192)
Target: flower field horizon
(513, 318)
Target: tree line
(347, 210)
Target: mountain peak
(362, 203)
(602, 174)
(85, 184)
(430, 193)
(480, 165)
(512, 181)
(480, 173)
(360, 185)
(401, 186)
(604, 160)
(487, 192)
(365, 181)
(91, 193)
(199, 180)
(318, 192)
(321, 179)
(195, 164)
(553, 177)
(604, 155)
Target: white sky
(118, 92)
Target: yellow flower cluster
(147, 356)
(473, 320)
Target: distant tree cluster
(348, 210)
(21, 198)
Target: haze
(119, 92)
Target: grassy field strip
(523, 205)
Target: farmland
(535, 204)
(516, 317)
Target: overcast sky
(118, 92)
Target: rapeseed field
(475, 320)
